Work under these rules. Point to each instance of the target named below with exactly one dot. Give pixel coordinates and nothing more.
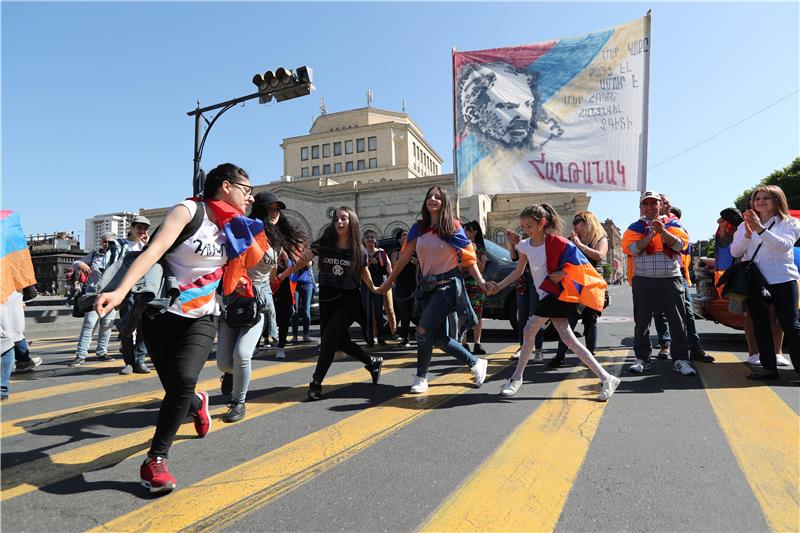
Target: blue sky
(95, 95)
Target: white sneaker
(516, 354)
(609, 386)
(510, 387)
(637, 366)
(538, 356)
(683, 367)
(280, 354)
(754, 360)
(420, 385)
(781, 360)
(479, 371)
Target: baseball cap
(140, 219)
(648, 195)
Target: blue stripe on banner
(470, 153)
(190, 294)
(12, 238)
(566, 60)
(239, 232)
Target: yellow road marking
(527, 480)
(27, 477)
(764, 435)
(17, 426)
(222, 499)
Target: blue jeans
(133, 353)
(90, 320)
(527, 303)
(22, 352)
(437, 305)
(662, 327)
(7, 364)
(235, 348)
(304, 292)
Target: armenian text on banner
(555, 115)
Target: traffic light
(283, 84)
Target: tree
(788, 179)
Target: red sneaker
(155, 475)
(202, 418)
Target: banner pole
(455, 159)
(645, 107)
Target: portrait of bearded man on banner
(500, 103)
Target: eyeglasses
(578, 220)
(246, 189)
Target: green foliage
(710, 250)
(788, 179)
(606, 271)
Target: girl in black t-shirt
(342, 264)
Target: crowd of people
(429, 286)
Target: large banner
(545, 117)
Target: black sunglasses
(578, 220)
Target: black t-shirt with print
(334, 266)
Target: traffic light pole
(200, 141)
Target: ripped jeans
(432, 328)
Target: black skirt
(552, 307)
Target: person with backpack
(92, 265)
(133, 349)
(180, 339)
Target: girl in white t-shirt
(180, 340)
(543, 226)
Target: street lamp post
(282, 85)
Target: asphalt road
(667, 453)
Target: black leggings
(784, 298)
(338, 309)
(283, 311)
(404, 306)
(179, 347)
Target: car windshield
(498, 253)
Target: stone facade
(506, 208)
(615, 258)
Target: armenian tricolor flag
(582, 284)
(458, 240)
(16, 268)
(246, 246)
(639, 230)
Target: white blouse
(775, 259)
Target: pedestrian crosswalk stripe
(9, 428)
(528, 478)
(27, 477)
(224, 498)
(763, 433)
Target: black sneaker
(478, 349)
(140, 369)
(236, 412)
(698, 354)
(382, 342)
(555, 362)
(314, 391)
(375, 368)
(78, 361)
(226, 384)
(28, 365)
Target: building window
(348, 166)
(315, 152)
(337, 167)
(326, 150)
(372, 143)
(304, 172)
(315, 171)
(360, 164)
(373, 162)
(337, 148)
(360, 145)
(326, 169)
(500, 237)
(304, 153)
(348, 147)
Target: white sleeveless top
(197, 264)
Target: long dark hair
(224, 172)
(283, 235)
(538, 212)
(329, 238)
(473, 225)
(446, 224)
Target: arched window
(500, 237)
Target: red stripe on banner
(519, 56)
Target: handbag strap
(761, 243)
